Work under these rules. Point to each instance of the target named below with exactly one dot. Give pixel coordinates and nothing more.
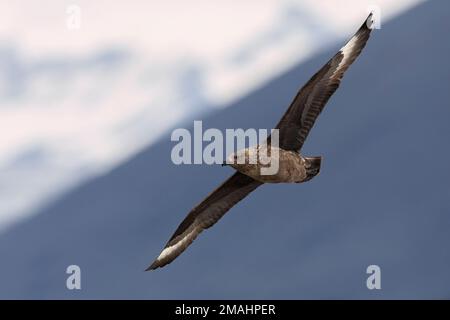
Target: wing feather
(309, 102)
(206, 214)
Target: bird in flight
(293, 130)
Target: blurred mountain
(382, 197)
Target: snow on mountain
(76, 102)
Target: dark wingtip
(153, 266)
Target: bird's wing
(298, 120)
(203, 216)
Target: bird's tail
(312, 167)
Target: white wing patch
(346, 51)
(187, 239)
(348, 48)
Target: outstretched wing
(298, 120)
(203, 216)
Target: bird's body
(291, 167)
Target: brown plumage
(294, 128)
